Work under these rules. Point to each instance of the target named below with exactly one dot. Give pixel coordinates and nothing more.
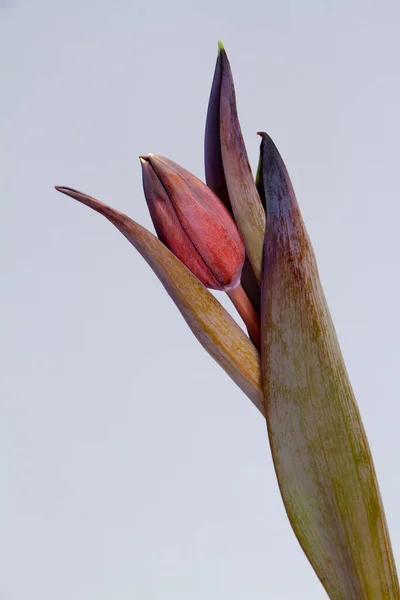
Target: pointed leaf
(215, 175)
(246, 204)
(213, 166)
(321, 454)
(212, 325)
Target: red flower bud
(193, 223)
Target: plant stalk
(247, 312)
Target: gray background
(131, 466)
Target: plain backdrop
(130, 464)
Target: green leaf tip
(220, 46)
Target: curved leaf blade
(212, 325)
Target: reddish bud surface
(193, 223)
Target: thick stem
(247, 312)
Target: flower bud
(193, 223)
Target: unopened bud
(193, 223)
